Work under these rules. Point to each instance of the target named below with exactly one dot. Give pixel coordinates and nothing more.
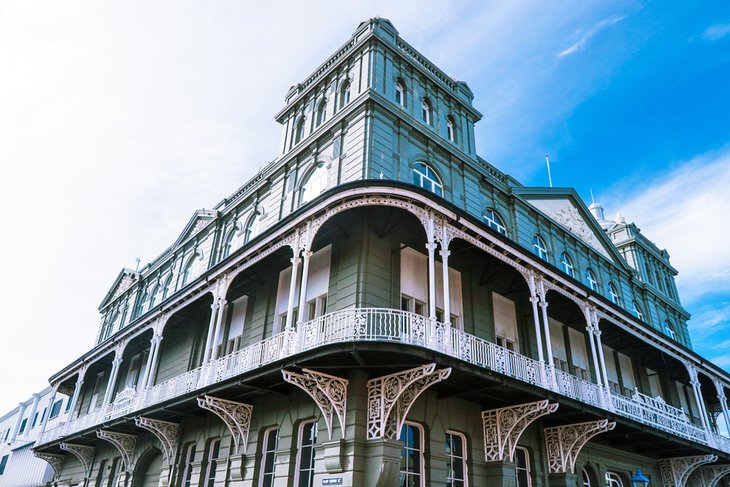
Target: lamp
(639, 480)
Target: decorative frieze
(391, 396)
(676, 471)
(85, 455)
(565, 442)
(504, 426)
(328, 392)
(235, 415)
(166, 432)
(123, 442)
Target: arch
(451, 128)
(613, 294)
(321, 115)
(566, 264)
(636, 309)
(669, 330)
(299, 130)
(314, 183)
(539, 247)
(588, 477)
(426, 111)
(228, 241)
(148, 468)
(251, 228)
(591, 279)
(345, 92)
(400, 92)
(424, 176)
(494, 221)
(190, 271)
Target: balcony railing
(387, 325)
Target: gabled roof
(199, 219)
(124, 281)
(566, 208)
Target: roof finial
(593, 200)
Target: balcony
(387, 325)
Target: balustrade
(387, 325)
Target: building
(380, 306)
(19, 430)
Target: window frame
(592, 279)
(613, 479)
(400, 93)
(637, 310)
(426, 111)
(669, 330)
(299, 130)
(318, 173)
(212, 454)
(424, 174)
(491, 217)
(527, 469)
(421, 474)
(613, 294)
(301, 469)
(345, 92)
(451, 481)
(567, 264)
(266, 450)
(187, 460)
(539, 247)
(321, 114)
(450, 129)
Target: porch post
(112, 379)
(211, 326)
(599, 345)
(292, 289)
(306, 256)
(77, 391)
(152, 362)
(695, 382)
(218, 325)
(447, 292)
(546, 330)
(48, 409)
(591, 330)
(536, 316)
(723, 403)
(431, 247)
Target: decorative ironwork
(328, 391)
(123, 442)
(504, 426)
(708, 476)
(676, 471)
(166, 432)
(55, 461)
(85, 455)
(565, 442)
(236, 416)
(391, 396)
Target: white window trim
(613, 479)
(264, 451)
(463, 459)
(527, 466)
(421, 446)
(300, 440)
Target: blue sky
(118, 121)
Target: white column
(599, 345)
(222, 303)
(723, 403)
(696, 387)
(445, 271)
(48, 409)
(77, 391)
(152, 362)
(292, 290)
(591, 330)
(306, 256)
(211, 327)
(110, 385)
(536, 316)
(546, 330)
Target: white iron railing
(387, 325)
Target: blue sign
(332, 481)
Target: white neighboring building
(19, 430)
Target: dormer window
(426, 178)
(299, 131)
(321, 112)
(613, 293)
(400, 93)
(591, 280)
(345, 93)
(539, 247)
(450, 129)
(426, 111)
(567, 264)
(494, 221)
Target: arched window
(268, 457)
(142, 303)
(426, 111)
(345, 93)
(305, 454)
(228, 242)
(613, 293)
(585, 478)
(299, 131)
(669, 330)
(190, 270)
(636, 310)
(524, 477)
(426, 178)
(187, 466)
(567, 264)
(613, 480)
(252, 227)
(494, 221)
(400, 93)
(321, 112)
(539, 247)
(315, 184)
(153, 295)
(450, 129)
(166, 288)
(411, 464)
(591, 280)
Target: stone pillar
(501, 473)
(382, 463)
(563, 480)
(110, 385)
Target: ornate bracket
(55, 461)
(85, 454)
(236, 415)
(504, 426)
(328, 391)
(565, 442)
(165, 431)
(123, 442)
(391, 396)
(708, 476)
(676, 471)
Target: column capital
(444, 253)
(431, 246)
(117, 361)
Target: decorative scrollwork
(565, 442)
(504, 426)
(54, 460)
(328, 391)
(676, 471)
(85, 455)
(123, 442)
(165, 431)
(391, 396)
(235, 415)
(708, 476)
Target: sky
(119, 119)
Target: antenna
(550, 178)
(593, 200)
(137, 260)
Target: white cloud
(584, 36)
(716, 32)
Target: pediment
(566, 209)
(199, 220)
(125, 279)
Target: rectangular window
(35, 420)
(22, 426)
(524, 479)
(456, 454)
(317, 288)
(611, 370)
(136, 369)
(212, 463)
(557, 341)
(68, 404)
(411, 462)
(56, 409)
(505, 322)
(187, 467)
(3, 462)
(235, 328)
(579, 354)
(115, 475)
(268, 457)
(305, 454)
